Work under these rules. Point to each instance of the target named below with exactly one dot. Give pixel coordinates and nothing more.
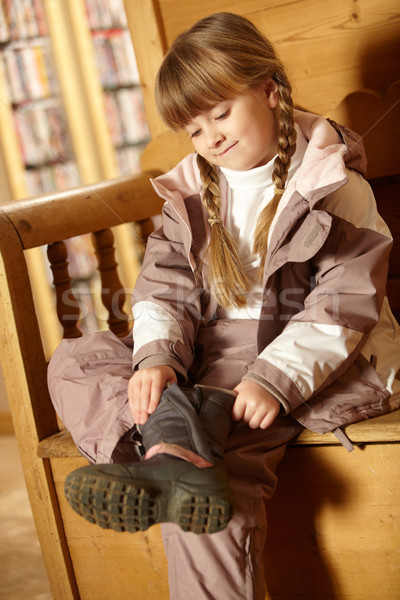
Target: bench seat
(382, 429)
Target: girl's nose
(214, 138)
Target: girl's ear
(271, 93)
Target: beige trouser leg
(229, 565)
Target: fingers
(145, 388)
(144, 396)
(255, 405)
(268, 419)
(238, 409)
(255, 417)
(263, 420)
(153, 392)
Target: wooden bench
(334, 521)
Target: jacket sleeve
(321, 341)
(166, 301)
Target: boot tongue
(178, 452)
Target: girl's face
(240, 133)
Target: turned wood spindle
(68, 310)
(112, 292)
(143, 229)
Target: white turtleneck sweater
(248, 194)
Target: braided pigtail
(228, 280)
(286, 149)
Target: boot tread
(124, 507)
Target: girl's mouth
(227, 150)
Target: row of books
(47, 178)
(106, 14)
(115, 56)
(21, 19)
(42, 132)
(125, 116)
(28, 70)
(128, 159)
(65, 175)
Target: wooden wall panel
(330, 49)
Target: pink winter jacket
(329, 346)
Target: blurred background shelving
(71, 113)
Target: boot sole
(123, 507)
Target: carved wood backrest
(48, 220)
(88, 209)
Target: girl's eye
(195, 133)
(223, 116)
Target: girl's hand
(145, 388)
(255, 405)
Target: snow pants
(88, 379)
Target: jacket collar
(331, 149)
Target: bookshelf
(71, 113)
(116, 64)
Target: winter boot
(182, 478)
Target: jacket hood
(330, 151)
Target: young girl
(265, 285)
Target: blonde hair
(219, 57)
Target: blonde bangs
(216, 59)
(189, 85)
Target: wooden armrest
(382, 429)
(41, 220)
